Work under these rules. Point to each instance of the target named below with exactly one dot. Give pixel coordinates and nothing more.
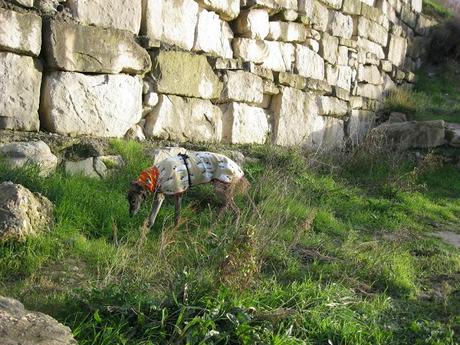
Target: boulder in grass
(22, 213)
(21, 326)
(453, 134)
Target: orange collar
(148, 178)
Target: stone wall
(288, 72)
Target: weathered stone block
(226, 9)
(184, 119)
(308, 63)
(243, 124)
(242, 86)
(305, 8)
(367, 46)
(408, 16)
(20, 81)
(335, 4)
(117, 14)
(81, 48)
(370, 74)
(98, 105)
(369, 91)
(185, 74)
(20, 33)
(372, 31)
(342, 57)
(292, 80)
(214, 36)
(397, 50)
(263, 72)
(328, 49)
(359, 124)
(312, 44)
(416, 5)
(171, 21)
(320, 87)
(287, 32)
(320, 16)
(352, 7)
(331, 106)
(342, 25)
(253, 24)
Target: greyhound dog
(174, 175)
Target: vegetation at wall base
(337, 253)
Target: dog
(174, 175)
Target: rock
(20, 32)
(295, 113)
(20, 80)
(342, 25)
(270, 87)
(21, 326)
(111, 161)
(171, 21)
(162, 153)
(312, 44)
(287, 32)
(407, 135)
(366, 46)
(335, 4)
(352, 7)
(320, 16)
(318, 86)
(244, 124)
(305, 8)
(308, 63)
(135, 133)
(252, 24)
(372, 31)
(19, 154)
(116, 14)
(293, 80)
(25, 3)
(453, 134)
(184, 119)
(184, 74)
(93, 49)
(97, 105)
(225, 64)
(277, 56)
(331, 106)
(258, 70)
(397, 50)
(370, 74)
(397, 117)
(22, 213)
(214, 36)
(416, 5)
(386, 65)
(226, 9)
(369, 91)
(329, 47)
(89, 167)
(240, 86)
(150, 99)
(359, 124)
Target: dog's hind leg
(178, 206)
(155, 208)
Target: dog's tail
(243, 187)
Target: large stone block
(252, 24)
(359, 124)
(171, 21)
(397, 50)
(352, 7)
(370, 74)
(342, 25)
(367, 46)
(369, 90)
(308, 63)
(305, 8)
(320, 16)
(97, 105)
(329, 48)
(20, 81)
(372, 31)
(331, 106)
(226, 9)
(20, 33)
(214, 36)
(80, 48)
(335, 4)
(185, 74)
(244, 124)
(287, 32)
(184, 119)
(240, 86)
(117, 14)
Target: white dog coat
(177, 174)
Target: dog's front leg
(155, 208)
(177, 204)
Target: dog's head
(136, 196)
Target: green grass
(340, 255)
(436, 9)
(436, 95)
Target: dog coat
(174, 176)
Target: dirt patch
(449, 237)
